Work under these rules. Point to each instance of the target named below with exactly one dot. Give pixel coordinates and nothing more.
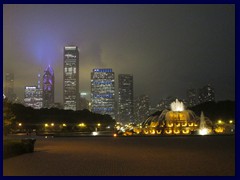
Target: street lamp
(20, 124)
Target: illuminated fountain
(204, 127)
(176, 121)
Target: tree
(8, 117)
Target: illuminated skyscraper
(103, 91)
(71, 78)
(39, 94)
(9, 87)
(48, 87)
(31, 97)
(125, 98)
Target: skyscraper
(9, 87)
(192, 97)
(103, 91)
(39, 94)
(31, 96)
(71, 78)
(48, 87)
(125, 98)
(206, 94)
(141, 108)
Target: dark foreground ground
(127, 156)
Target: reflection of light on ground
(94, 133)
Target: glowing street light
(231, 121)
(52, 124)
(81, 125)
(220, 122)
(98, 124)
(19, 124)
(64, 125)
(46, 125)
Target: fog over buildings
(167, 48)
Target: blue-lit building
(48, 87)
(103, 91)
(71, 78)
(125, 98)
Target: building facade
(206, 94)
(33, 97)
(48, 87)
(103, 91)
(141, 108)
(192, 97)
(9, 87)
(125, 98)
(71, 78)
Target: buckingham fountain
(177, 121)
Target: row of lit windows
(103, 95)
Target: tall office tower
(125, 98)
(206, 94)
(39, 94)
(38, 98)
(48, 87)
(9, 87)
(141, 108)
(102, 91)
(71, 78)
(192, 97)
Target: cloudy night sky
(167, 48)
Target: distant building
(57, 105)
(206, 94)
(103, 91)
(32, 97)
(125, 98)
(71, 78)
(165, 103)
(83, 101)
(38, 99)
(9, 87)
(152, 110)
(141, 108)
(192, 97)
(48, 87)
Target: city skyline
(168, 51)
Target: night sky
(167, 48)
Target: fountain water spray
(177, 106)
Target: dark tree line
(30, 116)
(224, 110)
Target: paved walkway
(132, 156)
